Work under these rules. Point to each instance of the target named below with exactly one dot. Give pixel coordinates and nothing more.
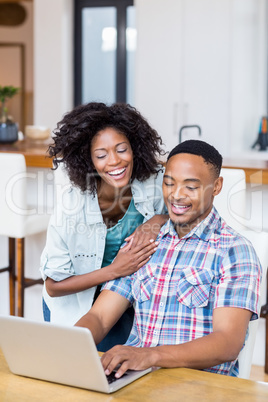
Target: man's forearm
(92, 322)
(201, 353)
(103, 315)
(222, 345)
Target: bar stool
(259, 241)
(231, 204)
(17, 221)
(264, 314)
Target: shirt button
(161, 304)
(167, 276)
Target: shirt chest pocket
(84, 262)
(142, 285)
(194, 287)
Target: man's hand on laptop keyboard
(128, 357)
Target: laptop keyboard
(111, 377)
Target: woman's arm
(128, 260)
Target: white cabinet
(206, 72)
(202, 62)
(158, 67)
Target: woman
(110, 155)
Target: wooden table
(256, 170)
(35, 152)
(161, 385)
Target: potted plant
(8, 129)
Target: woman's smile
(117, 174)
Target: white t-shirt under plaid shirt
(176, 292)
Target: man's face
(189, 187)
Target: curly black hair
(74, 134)
(200, 148)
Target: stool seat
(18, 220)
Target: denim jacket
(76, 241)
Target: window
(105, 44)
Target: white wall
(203, 62)
(53, 60)
(159, 83)
(248, 55)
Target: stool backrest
(231, 202)
(13, 195)
(259, 241)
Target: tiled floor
(258, 374)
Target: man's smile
(180, 209)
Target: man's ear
(218, 186)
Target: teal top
(116, 235)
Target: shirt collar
(142, 192)
(203, 230)
(168, 228)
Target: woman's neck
(113, 194)
(113, 203)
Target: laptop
(56, 353)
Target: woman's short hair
(74, 134)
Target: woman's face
(112, 157)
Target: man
(196, 295)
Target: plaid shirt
(186, 279)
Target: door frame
(121, 52)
